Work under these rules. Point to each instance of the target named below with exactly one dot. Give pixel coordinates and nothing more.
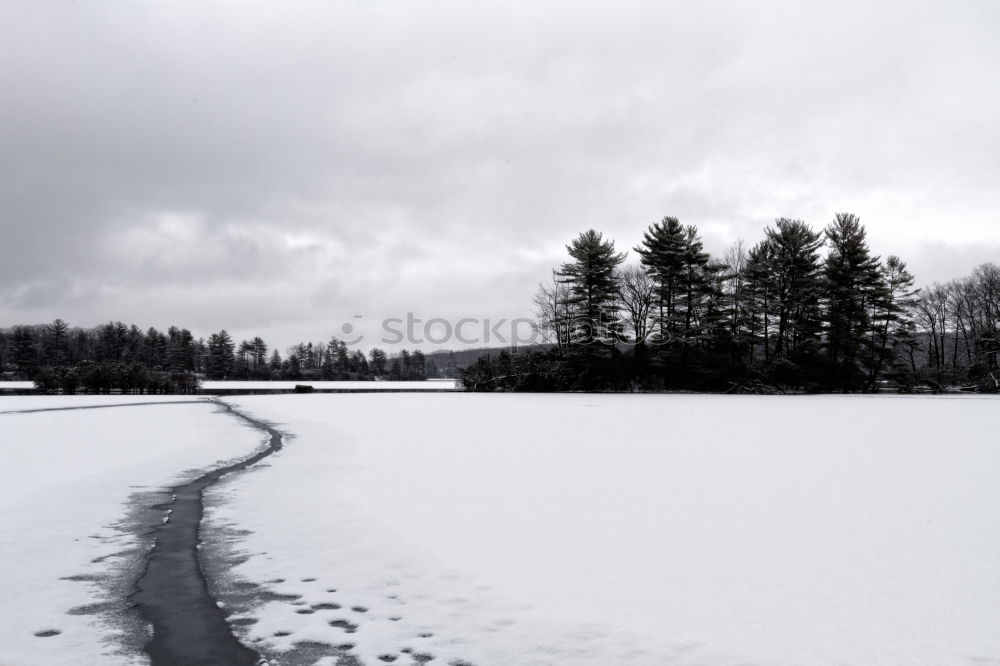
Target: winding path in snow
(189, 628)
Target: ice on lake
(529, 529)
(652, 529)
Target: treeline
(800, 310)
(122, 357)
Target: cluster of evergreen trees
(777, 315)
(330, 361)
(117, 356)
(801, 310)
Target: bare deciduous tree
(553, 311)
(636, 296)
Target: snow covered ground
(15, 386)
(20, 403)
(66, 479)
(428, 385)
(503, 530)
(512, 530)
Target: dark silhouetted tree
(221, 359)
(590, 277)
(851, 285)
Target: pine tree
(244, 355)
(851, 283)
(592, 288)
(180, 350)
(418, 366)
(259, 351)
(26, 352)
(112, 341)
(359, 365)
(155, 349)
(662, 252)
(892, 328)
(135, 346)
(294, 367)
(329, 364)
(5, 346)
(221, 357)
(56, 344)
(694, 283)
(343, 358)
(200, 353)
(379, 361)
(758, 296)
(795, 287)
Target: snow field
(16, 403)
(428, 385)
(66, 479)
(597, 529)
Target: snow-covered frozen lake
(623, 529)
(213, 385)
(68, 480)
(428, 385)
(511, 530)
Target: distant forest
(802, 310)
(116, 356)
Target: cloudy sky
(277, 168)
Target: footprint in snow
(345, 625)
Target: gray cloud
(278, 169)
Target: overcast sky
(276, 168)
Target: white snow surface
(15, 386)
(214, 385)
(427, 385)
(19, 403)
(66, 479)
(519, 530)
